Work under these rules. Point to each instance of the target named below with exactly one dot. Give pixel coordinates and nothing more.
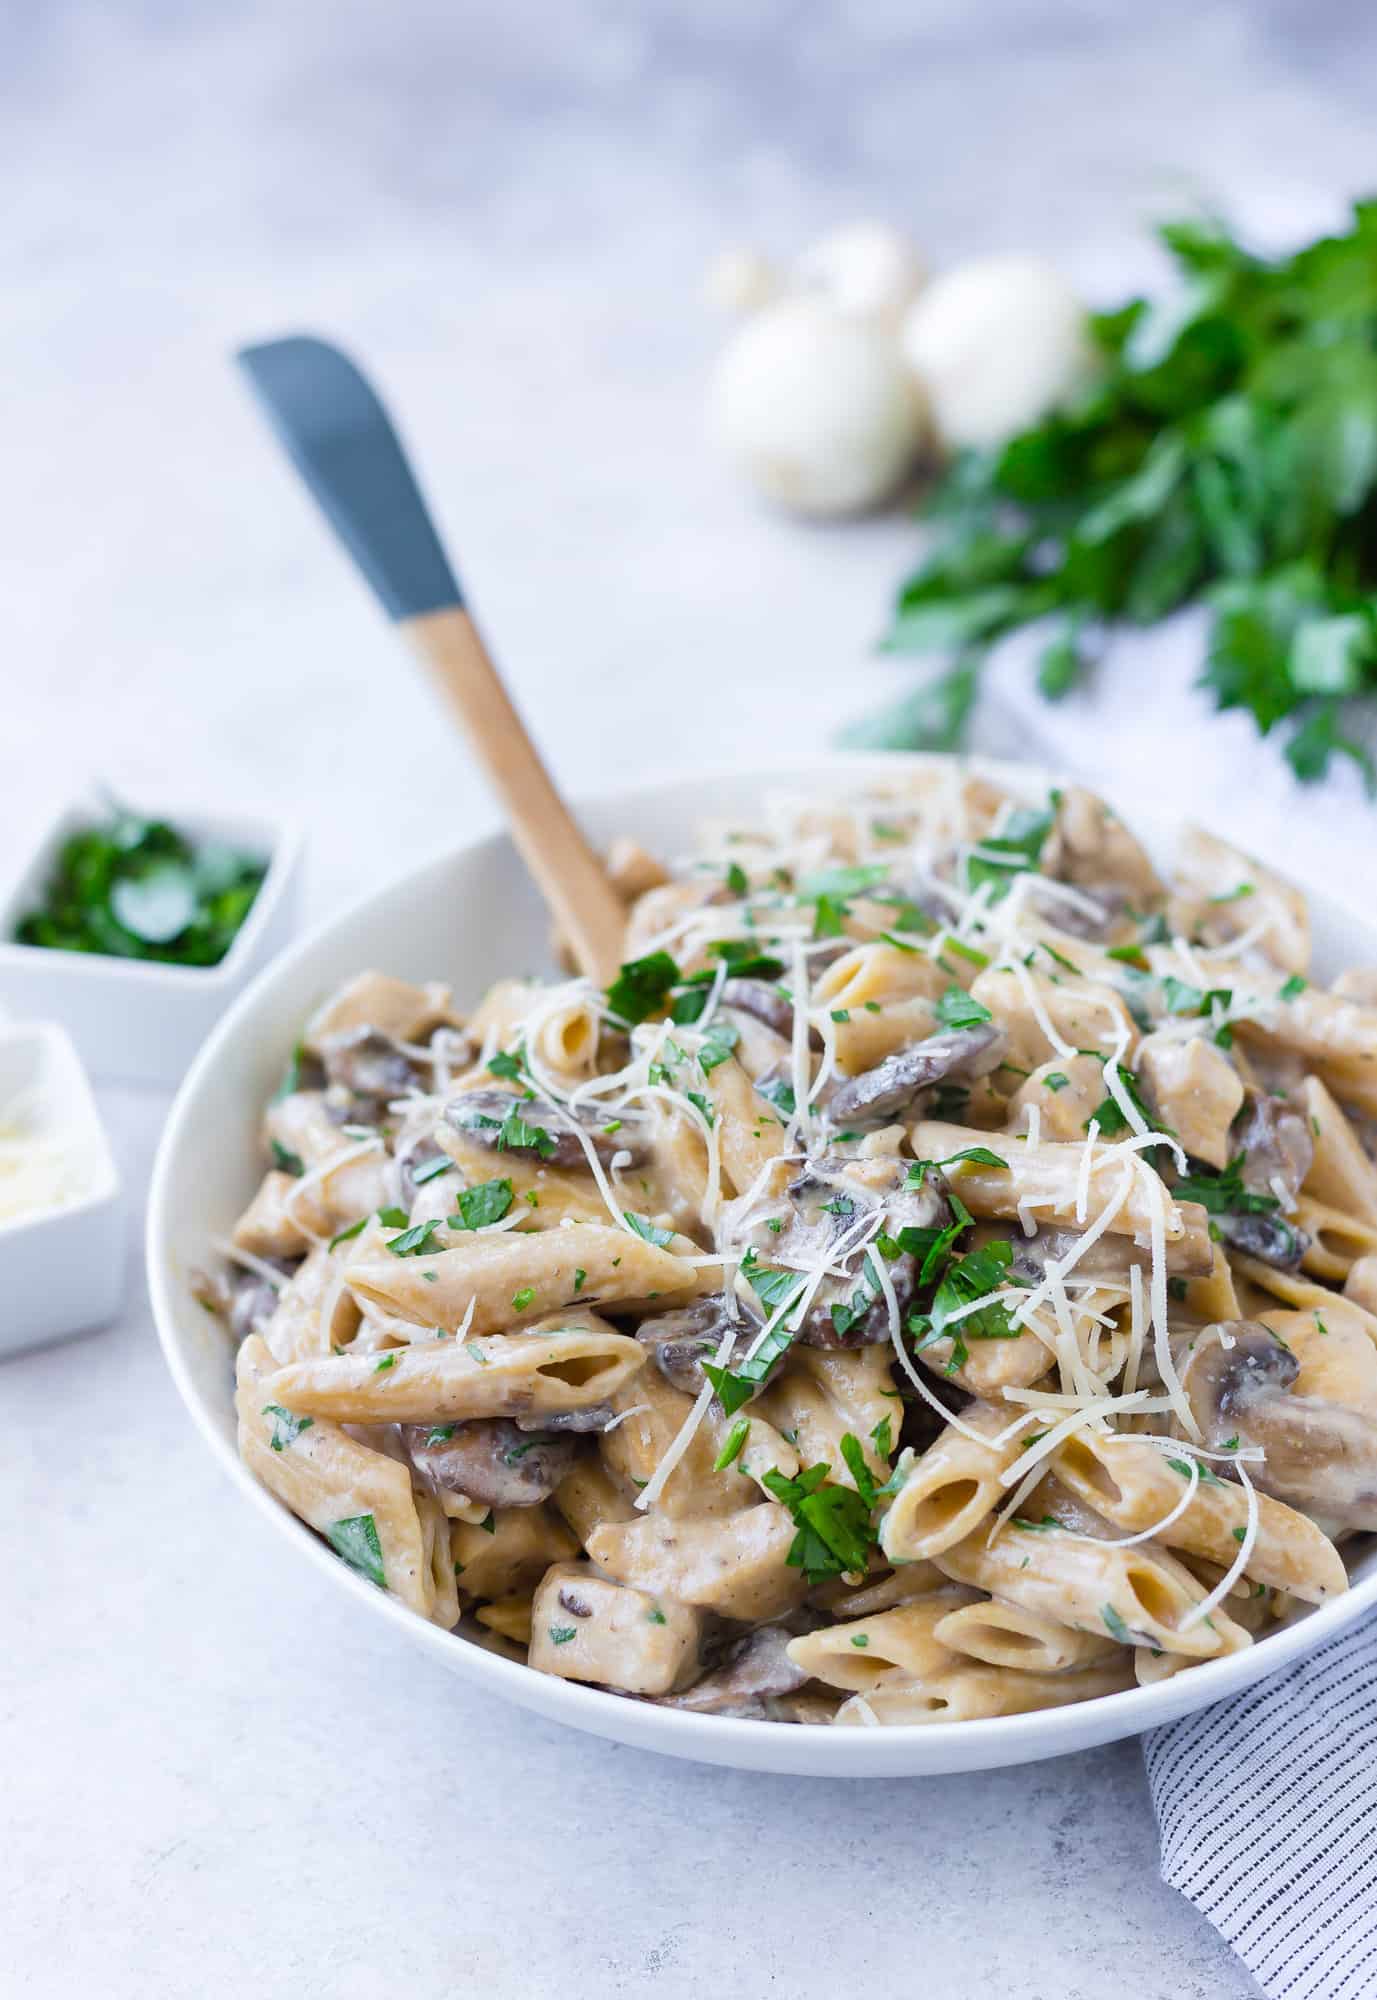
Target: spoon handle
(341, 440)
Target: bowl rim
(992, 1741)
(281, 839)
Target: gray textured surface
(215, 1781)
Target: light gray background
(212, 1778)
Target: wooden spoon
(341, 440)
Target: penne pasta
(937, 1278)
(495, 1375)
(496, 1282)
(974, 1694)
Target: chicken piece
(584, 1627)
(1192, 1090)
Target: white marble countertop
(217, 1779)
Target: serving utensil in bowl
(209, 1164)
(341, 440)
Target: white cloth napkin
(1267, 1810)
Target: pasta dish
(936, 1280)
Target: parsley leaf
(641, 987)
(834, 1535)
(286, 1428)
(1017, 850)
(969, 1278)
(478, 1206)
(356, 1539)
(731, 1449)
(648, 1231)
(718, 1043)
(1109, 1114)
(414, 1242)
(1224, 1193)
(956, 1009)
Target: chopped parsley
(1224, 1193)
(286, 1427)
(523, 1298)
(834, 1534)
(969, 1278)
(432, 1169)
(648, 1231)
(1055, 1079)
(345, 1235)
(731, 1449)
(1293, 988)
(481, 1205)
(839, 883)
(288, 1162)
(1109, 1114)
(580, 1278)
(356, 1539)
(956, 1009)
(718, 1043)
(779, 1093)
(1115, 1625)
(414, 1242)
(1016, 851)
(561, 1634)
(641, 987)
(1183, 1466)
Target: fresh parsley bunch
(1226, 455)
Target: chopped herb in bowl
(128, 887)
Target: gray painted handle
(341, 440)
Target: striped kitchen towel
(1267, 1810)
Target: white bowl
(135, 1019)
(469, 917)
(61, 1269)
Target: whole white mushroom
(816, 409)
(868, 269)
(996, 343)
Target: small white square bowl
(135, 1020)
(61, 1268)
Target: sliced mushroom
(253, 1302)
(755, 1671)
(767, 1004)
(366, 1066)
(680, 1342)
(1277, 1144)
(482, 1115)
(1318, 1455)
(1270, 1238)
(409, 1161)
(596, 1417)
(893, 1084)
(494, 1461)
(827, 1201)
(1097, 918)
